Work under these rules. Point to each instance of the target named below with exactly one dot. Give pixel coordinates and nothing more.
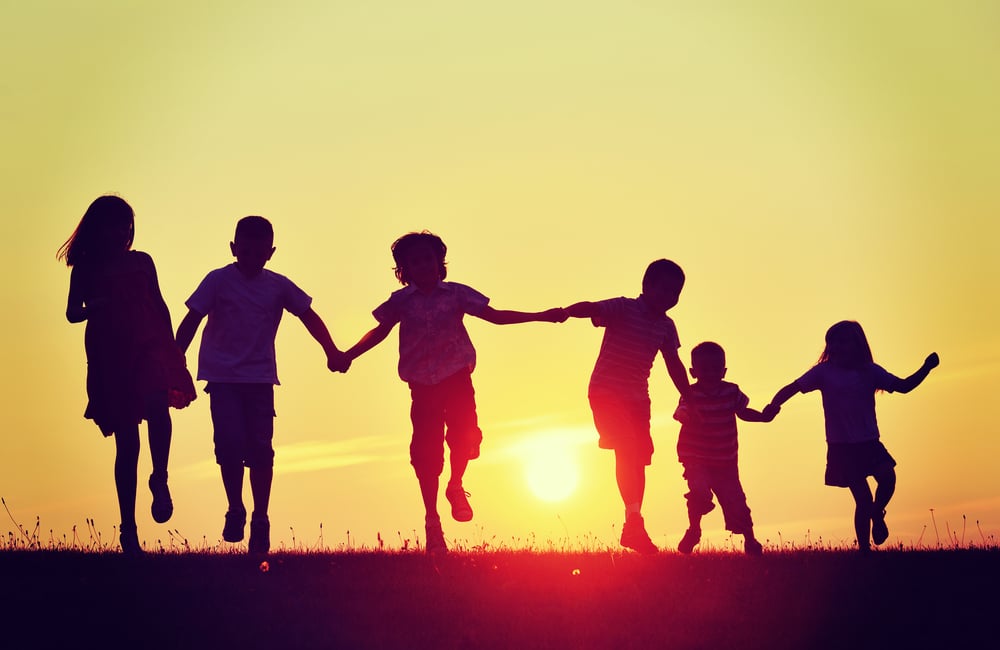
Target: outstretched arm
(336, 360)
(372, 338)
(186, 330)
(583, 310)
(916, 378)
(779, 398)
(510, 317)
(748, 414)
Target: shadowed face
(709, 369)
(251, 253)
(663, 294)
(423, 267)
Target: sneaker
(459, 500)
(752, 547)
(129, 540)
(635, 537)
(235, 521)
(691, 538)
(260, 537)
(880, 532)
(435, 538)
(163, 507)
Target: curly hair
(402, 247)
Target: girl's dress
(131, 352)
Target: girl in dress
(135, 371)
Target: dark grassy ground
(807, 599)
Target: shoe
(260, 537)
(129, 540)
(752, 547)
(880, 532)
(459, 500)
(691, 538)
(163, 507)
(435, 543)
(235, 521)
(635, 537)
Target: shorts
(443, 412)
(623, 425)
(243, 419)
(722, 479)
(850, 463)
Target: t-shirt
(714, 439)
(243, 313)
(632, 337)
(433, 341)
(848, 398)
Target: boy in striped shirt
(635, 330)
(707, 447)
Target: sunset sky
(804, 165)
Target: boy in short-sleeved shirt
(636, 330)
(244, 303)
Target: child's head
(253, 244)
(708, 362)
(419, 258)
(847, 346)
(662, 284)
(107, 227)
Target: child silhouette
(135, 371)
(436, 359)
(244, 303)
(707, 447)
(847, 377)
(635, 330)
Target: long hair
(107, 226)
(847, 345)
(401, 252)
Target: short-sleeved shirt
(848, 399)
(433, 341)
(237, 345)
(714, 439)
(632, 336)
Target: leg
(885, 480)
(126, 463)
(862, 513)
(631, 476)
(427, 444)
(159, 430)
(260, 524)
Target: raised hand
(932, 360)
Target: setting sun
(551, 466)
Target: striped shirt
(714, 439)
(632, 337)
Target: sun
(551, 467)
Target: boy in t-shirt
(244, 303)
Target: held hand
(338, 362)
(932, 361)
(555, 315)
(770, 411)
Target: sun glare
(551, 467)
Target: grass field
(501, 599)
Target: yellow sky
(804, 165)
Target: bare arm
(76, 311)
(583, 310)
(335, 359)
(186, 330)
(918, 377)
(676, 370)
(748, 414)
(510, 317)
(372, 338)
